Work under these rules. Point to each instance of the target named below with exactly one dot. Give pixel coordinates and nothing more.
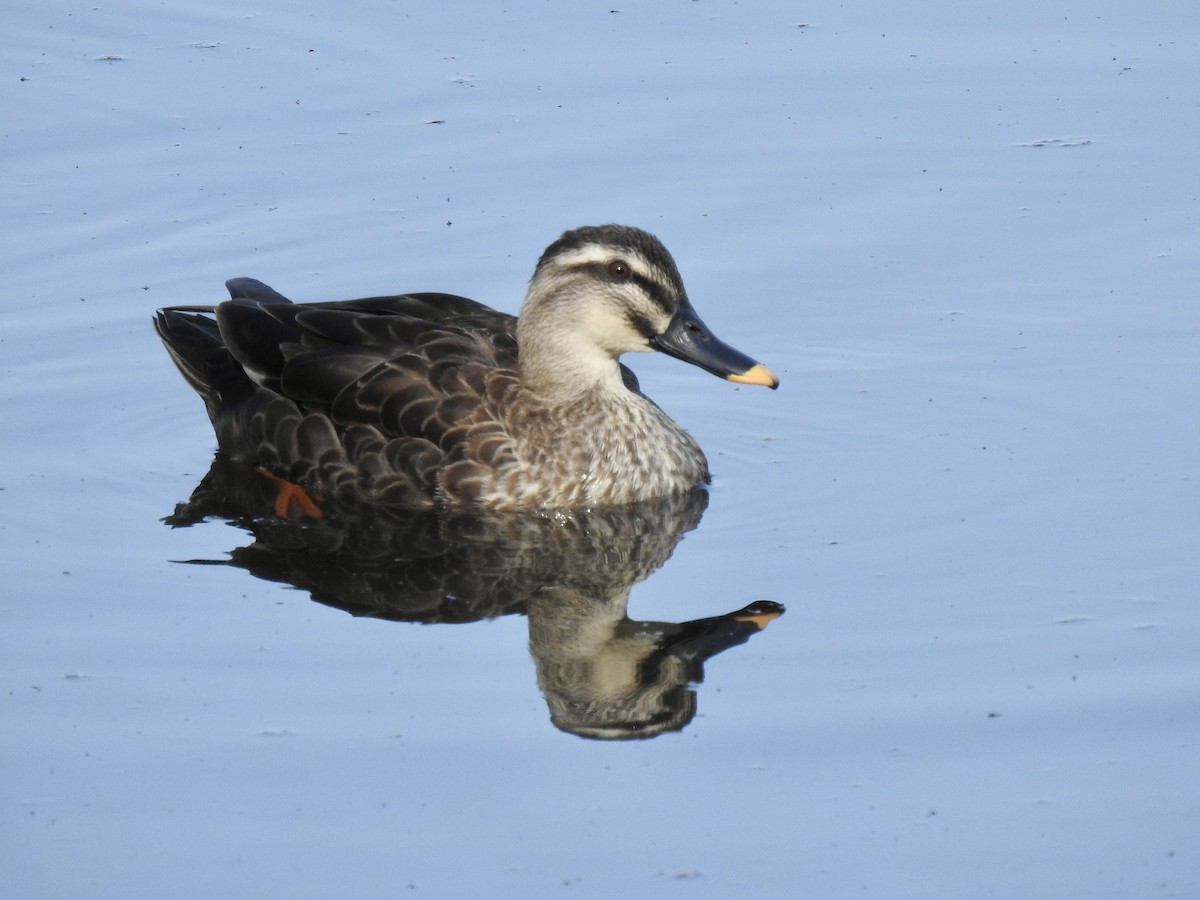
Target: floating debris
(1058, 142)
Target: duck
(435, 401)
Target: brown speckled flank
(426, 400)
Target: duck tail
(194, 344)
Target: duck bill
(689, 339)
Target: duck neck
(557, 360)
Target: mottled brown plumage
(425, 400)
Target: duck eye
(618, 270)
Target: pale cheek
(614, 335)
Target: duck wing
(320, 346)
(346, 359)
(391, 388)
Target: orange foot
(291, 495)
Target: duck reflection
(603, 674)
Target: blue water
(964, 238)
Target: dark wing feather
(195, 346)
(253, 289)
(255, 333)
(429, 306)
(256, 327)
(388, 388)
(315, 378)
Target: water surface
(966, 241)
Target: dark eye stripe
(662, 297)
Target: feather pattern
(430, 399)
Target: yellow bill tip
(756, 374)
(761, 619)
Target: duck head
(600, 291)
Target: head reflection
(608, 677)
